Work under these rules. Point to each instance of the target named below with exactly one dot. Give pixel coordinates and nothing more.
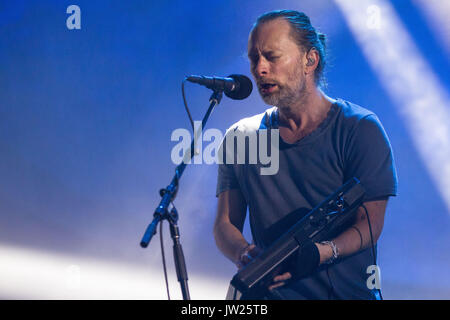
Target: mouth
(267, 87)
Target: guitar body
(324, 222)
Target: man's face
(276, 63)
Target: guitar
(325, 221)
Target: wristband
(305, 261)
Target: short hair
(304, 34)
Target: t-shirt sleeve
(226, 179)
(369, 158)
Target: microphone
(235, 86)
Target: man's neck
(302, 118)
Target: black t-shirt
(350, 142)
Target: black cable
(331, 291)
(186, 105)
(164, 258)
(372, 244)
(371, 235)
(161, 223)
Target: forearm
(229, 240)
(357, 237)
(348, 242)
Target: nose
(261, 67)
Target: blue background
(86, 118)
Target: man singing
(323, 142)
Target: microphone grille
(244, 87)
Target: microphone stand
(168, 195)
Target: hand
(247, 255)
(302, 264)
(280, 280)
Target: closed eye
(272, 58)
(253, 59)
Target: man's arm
(229, 223)
(352, 241)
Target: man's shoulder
(353, 112)
(361, 122)
(252, 123)
(353, 116)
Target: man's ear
(312, 58)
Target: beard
(288, 93)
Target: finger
(246, 258)
(276, 285)
(251, 252)
(254, 250)
(282, 277)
